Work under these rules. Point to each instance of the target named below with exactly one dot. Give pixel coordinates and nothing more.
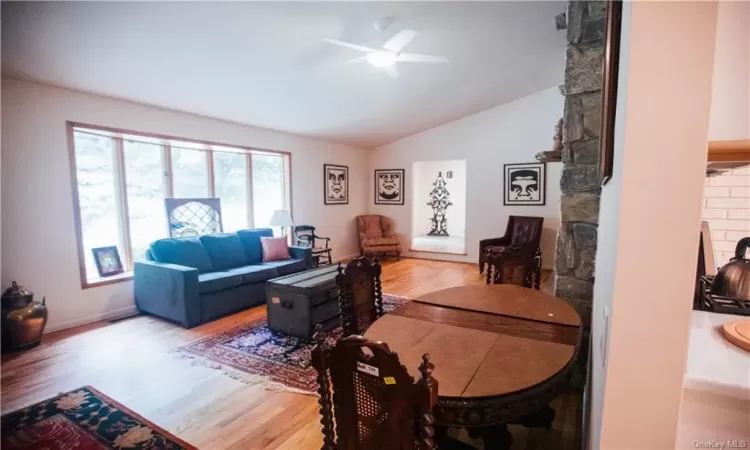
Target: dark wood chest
(298, 302)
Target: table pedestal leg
(441, 434)
(495, 437)
(540, 419)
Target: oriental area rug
(255, 354)
(83, 419)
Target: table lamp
(281, 218)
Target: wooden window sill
(103, 281)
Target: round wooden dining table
(501, 353)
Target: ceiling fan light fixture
(381, 58)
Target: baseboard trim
(109, 315)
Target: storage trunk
(296, 303)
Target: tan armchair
(376, 236)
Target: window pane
(189, 173)
(145, 188)
(95, 171)
(268, 187)
(230, 179)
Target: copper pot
(733, 279)
(23, 319)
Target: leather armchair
(521, 231)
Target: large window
(122, 179)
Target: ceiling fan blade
(400, 40)
(361, 48)
(391, 71)
(418, 57)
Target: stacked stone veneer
(579, 184)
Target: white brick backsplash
(719, 213)
(724, 246)
(723, 257)
(735, 225)
(730, 180)
(738, 213)
(718, 235)
(734, 236)
(711, 192)
(726, 203)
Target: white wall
(730, 105)
(649, 224)
(424, 174)
(510, 133)
(38, 237)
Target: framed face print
(336, 184)
(389, 187)
(525, 184)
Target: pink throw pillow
(274, 248)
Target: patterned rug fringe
(255, 355)
(243, 377)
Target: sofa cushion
(274, 248)
(251, 243)
(255, 274)
(288, 266)
(183, 251)
(224, 250)
(218, 281)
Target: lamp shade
(281, 218)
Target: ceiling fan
(390, 53)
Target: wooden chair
(521, 231)
(514, 265)
(360, 294)
(306, 237)
(375, 402)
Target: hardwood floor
(133, 361)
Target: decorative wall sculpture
(336, 179)
(524, 184)
(193, 216)
(389, 187)
(439, 201)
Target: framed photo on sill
(336, 187)
(107, 261)
(389, 186)
(525, 184)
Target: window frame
(121, 197)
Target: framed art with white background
(389, 187)
(525, 184)
(336, 187)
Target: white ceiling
(264, 64)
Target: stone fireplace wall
(579, 184)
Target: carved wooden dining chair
(514, 265)
(375, 404)
(360, 294)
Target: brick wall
(726, 206)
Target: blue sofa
(197, 280)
